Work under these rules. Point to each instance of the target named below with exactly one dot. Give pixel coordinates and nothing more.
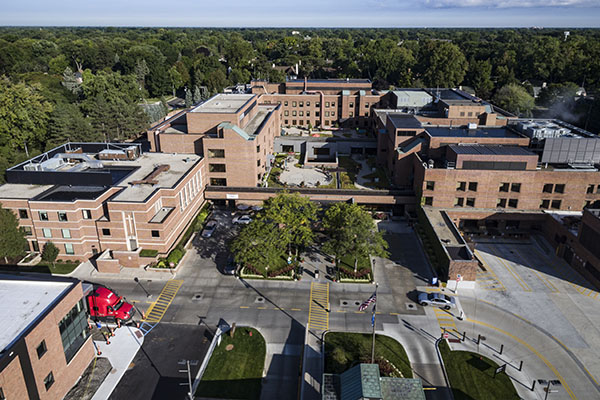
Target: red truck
(105, 305)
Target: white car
(244, 219)
(437, 300)
(209, 229)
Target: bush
(148, 253)
(49, 252)
(176, 255)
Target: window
(548, 188)
(66, 233)
(69, 248)
(366, 105)
(555, 204)
(351, 105)
(301, 113)
(155, 233)
(62, 216)
(300, 122)
(459, 202)
(285, 103)
(49, 380)
(27, 229)
(294, 113)
(216, 153)
(105, 231)
(512, 203)
(504, 187)
(41, 349)
(473, 186)
(333, 104)
(470, 201)
(23, 214)
(429, 185)
(35, 246)
(216, 168)
(317, 113)
(258, 163)
(327, 113)
(428, 201)
(326, 104)
(598, 189)
(318, 104)
(590, 189)
(470, 113)
(87, 214)
(218, 182)
(258, 149)
(559, 188)
(294, 104)
(308, 113)
(351, 114)
(47, 232)
(74, 330)
(545, 204)
(501, 203)
(461, 186)
(462, 113)
(43, 215)
(2, 396)
(515, 187)
(286, 121)
(286, 113)
(308, 104)
(293, 122)
(333, 113)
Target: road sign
(446, 335)
(458, 277)
(500, 369)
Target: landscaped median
(235, 369)
(472, 376)
(344, 350)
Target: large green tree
(12, 238)
(258, 244)
(351, 230)
(67, 124)
(442, 64)
(480, 73)
(515, 99)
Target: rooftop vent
(149, 180)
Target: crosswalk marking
(445, 320)
(158, 309)
(318, 315)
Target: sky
(302, 13)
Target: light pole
(189, 374)
(148, 295)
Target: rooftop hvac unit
(32, 167)
(472, 125)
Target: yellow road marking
(519, 280)
(318, 315)
(262, 308)
(244, 307)
(537, 353)
(490, 270)
(545, 281)
(295, 309)
(157, 310)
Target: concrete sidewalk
(312, 366)
(87, 271)
(120, 352)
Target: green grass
(383, 179)
(348, 177)
(330, 185)
(472, 376)
(235, 374)
(343, 350)
(57, 268)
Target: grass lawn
(332, 184)
(237, 373)
(383, 180)
(57, 268)
(346, 263)
(472, 376)
(344, 350)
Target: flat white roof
(21, 191)
(224, 103)
(22, 300)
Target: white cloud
(510, 3)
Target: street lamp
(148, 295)
(189, 374)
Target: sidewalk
(121, 351)
(87, 271)
(312, 366)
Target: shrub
(253, 270)
(49, 252)
(282, 271)
(148, 253)
(176, 255)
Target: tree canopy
(12, 238)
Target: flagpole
(373, 323)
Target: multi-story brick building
(45, 344)
(88, 198)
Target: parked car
(209, 229)
(231, 267)
(243, 219)
(437, 299)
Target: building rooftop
(20, 191)
(404, 121)
(23, 300)
(224, 103)
(480, 132)
(490, 150)
(332, 81)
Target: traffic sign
(458, 277)
(446, 335)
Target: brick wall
(12, 381)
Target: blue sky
(303, 13)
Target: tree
(442, 64)
(515, 99)
(71, 82)
(67, 124)
(189, 100)
(12, 238)
(257, 244)
(24, 114)
(480, 73)
(141, 70)
(557, 92)
(292, 215)
(50, 252)
(351, 231)
(197, 95)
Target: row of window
(469, 114)
(106, 232)
(301, 122)
(318, 104)
(190, 191)
(501, 203)
(62, 215)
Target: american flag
(369, 301)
